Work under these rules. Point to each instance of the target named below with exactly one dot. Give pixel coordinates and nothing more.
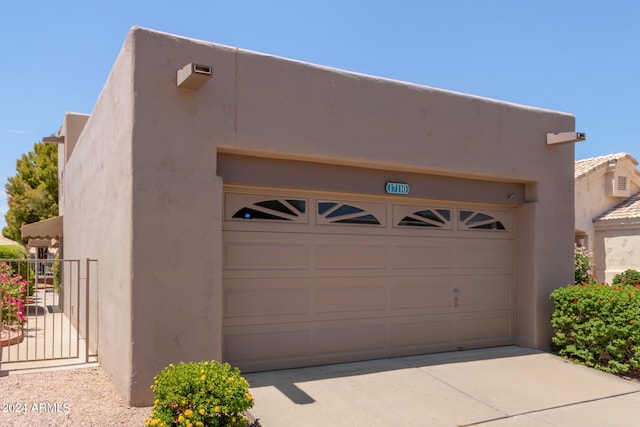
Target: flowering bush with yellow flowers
(200, 394)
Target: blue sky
(580, 57)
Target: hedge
(599, 326)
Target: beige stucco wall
(71, 130)
(98, 223)
(153, 217)
(591, 201)
(618, 247)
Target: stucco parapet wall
(136, 29)
(72, 128)
(293, 109)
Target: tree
(32, 194)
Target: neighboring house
(274, 214)
(607, 203)
(8, 242)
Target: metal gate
(58, 303)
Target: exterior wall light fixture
(192, 76)
(53, 139)
(562, 137)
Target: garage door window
(343, 213)
(435, 218)
(472, 220)
(275, 209)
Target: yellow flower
(201, 411)
(188, 413)
(154, 422)
(231, 379)
(206, 363)
(180, 419)
(249, 396)
(233, 419)
(199, 423)
(189, 424)
(155, 402)
(216, 409)
(203, 377)
(171, 364)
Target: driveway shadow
(285, 380)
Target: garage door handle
(456, 291)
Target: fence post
(86, 330)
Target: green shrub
(13, 252)
(599, 326)
(56, 273)
(21, 268)
(628, 277)
(200, 394)
(582, 266)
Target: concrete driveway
(504, 386)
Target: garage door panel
(422, 293)
(266, 344)
(494, 328)
(426, 332)
(304, 292)
(265, 297)
(344, 256)
(434, 255)
(349, 337)
(257, 254)
(351, 295)
(494, 255)
(484, 292)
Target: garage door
(322, 278)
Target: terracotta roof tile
(585, 166)
(628, 208)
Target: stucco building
(607, 193)
(280, 214)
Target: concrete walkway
(50, 339)
(505, 386)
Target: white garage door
(322, 278)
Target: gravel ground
(74, 397)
